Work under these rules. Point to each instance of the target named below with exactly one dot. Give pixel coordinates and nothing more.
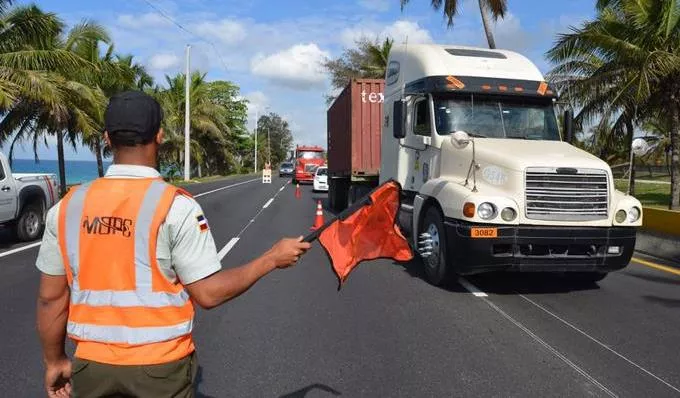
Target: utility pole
(256, 120)
(187, 121)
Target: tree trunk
(487, 24)
(630, 131)
(675, 158)
(60, 160)
(100, 159)
(200, 174)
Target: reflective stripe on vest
(141, 296)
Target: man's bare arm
(52, 316)
(227, 284)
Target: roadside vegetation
(55, 82)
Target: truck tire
(30, 225)
(437, 266)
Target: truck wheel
(433, 252)
(30, 224)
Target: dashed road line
(227, 248)
(235, 239)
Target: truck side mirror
(398, 130)
(568, 126)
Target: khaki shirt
(184, 251)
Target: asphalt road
(388, 333)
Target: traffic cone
(318, 220)
(298, 194)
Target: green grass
(651, 195)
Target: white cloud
(297, 67)
(146, 21)
(375, 5)
(399, 31)
(163, 61)
(509, 34)
(228, 31)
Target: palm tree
(41, 92)
(626, 63)
(209, 129)
(497, 9)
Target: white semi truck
(489, 183)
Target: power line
(169, 18)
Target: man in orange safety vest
(122, 261)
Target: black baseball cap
(133, 116)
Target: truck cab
(489, 182)
(307, 159)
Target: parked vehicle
(488, 181)
(307, 159)
(24, 200)
(321, 179)
(286, 169)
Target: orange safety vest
(123, 310)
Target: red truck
(354, 127)
(307, 159)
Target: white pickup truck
(24, 201)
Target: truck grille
(566, 194)
(310, 168)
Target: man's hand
(58, 378)
(287, 252)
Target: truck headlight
(508, 214)
(621, 216)
(633, 214)
(486, 211)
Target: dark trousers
(173, 379)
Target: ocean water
(77, 171)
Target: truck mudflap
(477, 248)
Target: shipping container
(354, 123)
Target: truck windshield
(310, 155)
(496, 117)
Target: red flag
(367, 233)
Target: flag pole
(365, 201)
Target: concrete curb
(659, 245)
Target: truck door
(8, 194)
(419, 136)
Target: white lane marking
(268, 203)
(32, 245)
(537, 339)
(227, 248)
(472, 288)
(20, 249)
(282, 188)
(601, 344)
(223, 188)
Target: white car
(321, 179)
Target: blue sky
(272, 49)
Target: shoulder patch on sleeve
(202, 223)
